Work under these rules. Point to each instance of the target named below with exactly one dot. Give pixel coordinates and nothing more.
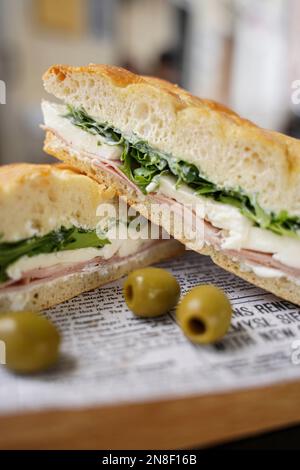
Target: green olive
(31, 341)
(151, 292)
(204, 314)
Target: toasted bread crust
(17, 173)
(281, 287)
(123, 78)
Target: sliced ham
(114, 169)
(53, 272)
(263, 259)
(111, 166)
(211, 235)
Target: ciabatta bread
(230, 151)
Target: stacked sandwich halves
(155, 143)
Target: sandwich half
(57, 239)
(155, 143)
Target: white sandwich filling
(239, 232)
(81, 140)
(119, 248)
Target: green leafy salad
(58, 240)
(144, 166)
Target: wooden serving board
(185, 423)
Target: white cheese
(220, 215)
(285, 249)
(54, 119)
(121, 248)
(262, 271)
(239, 232)
(268, 273)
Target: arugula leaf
(80, 238)
(283, 224)
(81, 119)
(57, 240)
(143, 166)
(125, 158)
(144, 175)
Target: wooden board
(184, 423)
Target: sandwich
(59, 238)
(155, 143)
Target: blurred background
(244, 53)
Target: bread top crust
(182, 99)
(36, 199)
(16, 173)
(239, 151)
(123, 78)
(12, 177)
